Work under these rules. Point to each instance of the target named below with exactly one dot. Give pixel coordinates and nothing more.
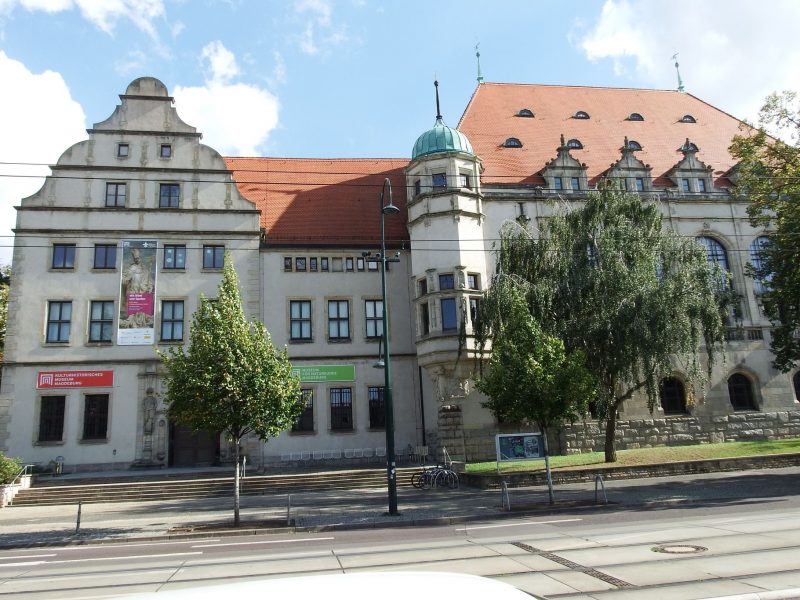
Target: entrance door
(189, 448)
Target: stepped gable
(323, 202)
(491, 117)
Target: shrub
(9, 467)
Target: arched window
(512, 143)
(574, 144)
(796, 382)
(740, 391)
(581, 114)
(635, 117)
(673, 396)
(634, 145)
(688, 119)
(716, 257)
(757, 260)
(525, 112)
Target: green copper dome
(441, 138)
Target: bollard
(599, 479)
(505, 499)
(288, 510)
(78, 524)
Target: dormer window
(688, 119)
(640, 184)
(574, 144)
(701, 185)
(512, 143)
(634, 145)
(581, 115)
(557, 183)
(635, 117)
(525, 112)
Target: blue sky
(353, 78)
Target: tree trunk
(611, 431)
(236, 485)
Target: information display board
(519, 446)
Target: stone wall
(682, 430)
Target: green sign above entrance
(313, 373)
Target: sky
(354, 78)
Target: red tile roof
(490, 119)
(323, 202)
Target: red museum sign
(46, 380)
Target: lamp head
(390, 209)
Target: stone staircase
(149, 487)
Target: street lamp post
(391, 467)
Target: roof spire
(677, 69)
(478, 56)
(438, 111)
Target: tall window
(474, 309)
(300, 319)
(373, 310)
(213, 257)
(716, 257)
(740, 391)
(557, 183)
(95, 417)
(101, 320)
(377, 408)
(757, 248)
(51, 419)
(305, 422)
(339, 319)
(172, 321)
(685, 185)
(575, 183)
(673, 396)
(169, 195)
(449, 319)
(424, 319)
(174, 256)
(59, 315)
(639, 184)
(63, 256)
(115, 194)
(341, 409)
(701, 185)
(447, 281)
(105, 256)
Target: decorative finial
(562, 141)
(677, 69)
(625, 144)
(438, 111)
(478, 56)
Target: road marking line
(61, 578)
(519, 524)
(76, 560)
(32, 563)
(26, 556)
(131, 543)
(320, 539)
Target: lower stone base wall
(682, 430)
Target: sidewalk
(56, 525)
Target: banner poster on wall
(137, 293)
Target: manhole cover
(678, 549)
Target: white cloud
(221, 62)
(320, 34)
(104, 14)
(234, 118)
(39, 120)
(732, 53)
(278, 76)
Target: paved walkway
(22, 526)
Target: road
(708, 549)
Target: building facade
(112, 254)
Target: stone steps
(125, 490)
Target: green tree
(606, 278)
(768, 173)
(530, 378)
(5, 282)
(232, 380)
